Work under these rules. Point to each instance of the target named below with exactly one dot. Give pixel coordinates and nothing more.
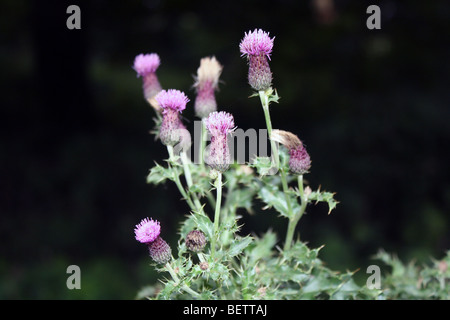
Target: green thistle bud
(195, 240)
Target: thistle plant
(213, 259)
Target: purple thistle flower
(145, 66)
(172, 103)
(219, 125)
(146, 63)
(147, 230)
(257, 45)
(172, 99)
(160, 251)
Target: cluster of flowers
(257, 47)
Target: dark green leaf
(322, 196)
(238, 245)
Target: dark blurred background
(372, 107)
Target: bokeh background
(372, 107)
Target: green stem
(217, 213)
(201, 257)
(231, 185)
(177, 281)
(178, 182)
(263, 96)
(187, 174)
(294, 220)
(170, 151)
(265, 104)
(285, 191)
(212, 201)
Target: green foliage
(158, 174)
(410, 281)
(321, 196)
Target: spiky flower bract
(299, 161)
(160, 251)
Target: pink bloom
(172, 99)
(219, 125)
(256, 43)
(146, 63)
(147, 230)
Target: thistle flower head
(172, 99)
(206, 82)
(299, 161)
(160, 251)
(219, 123)
(195, 240)
(147, 230)
(256, 43)
(146, 63)
(209, 71)
(172, 129)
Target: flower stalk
(264, 97)
(177, 180)
(218, 185)
(296, 218)
(187, 172)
